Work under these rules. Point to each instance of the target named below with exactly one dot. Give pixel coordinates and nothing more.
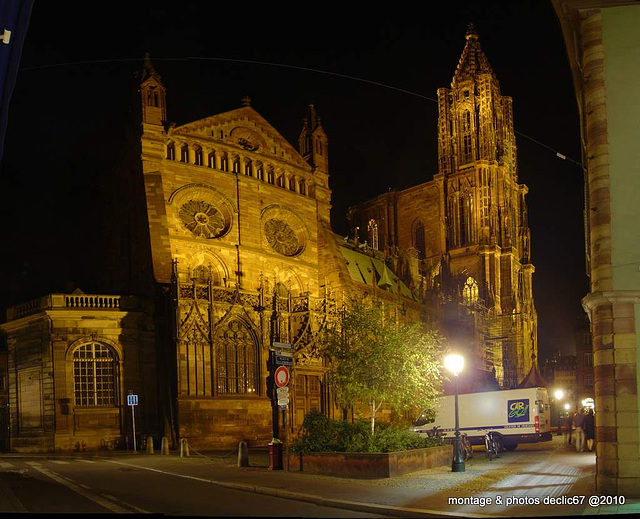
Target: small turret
(313, 142)
(153, 93)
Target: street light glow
(454, 363)
(559, 394)
(567, 406)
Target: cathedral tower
(487, 234)
(462, 239)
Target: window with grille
(236, 359)
(95, 375)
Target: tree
(375, 359)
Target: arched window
(280, 181)
(224, 163)
(198, 156)
(184, 153)
(270, 176)
(95, 375)
(171, 151)
(302, 188)
(372, 227)
(466, 137)
(418, 239)
(201, 274)
(470, 291)
(236, 360)
(248, 168)
(211, 159)
(462, 230)
(260, 172)
(236, 165)
(292, 184)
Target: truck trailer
(515, 415)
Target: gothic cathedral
(463, 237)
(223, 247)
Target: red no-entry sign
(281, 376)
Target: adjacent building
(603, 45)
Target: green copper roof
(373, 272)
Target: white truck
(516, 415)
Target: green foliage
(375, 359)
(321, 434)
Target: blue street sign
(132, 399)
(284, 361)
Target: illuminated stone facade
(462, 239)
(73, 358)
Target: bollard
(149, 444)
(164, 448)
(184, 448)
(243, 455)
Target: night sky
(372, 75)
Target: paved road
(212, 484)
(128, 485)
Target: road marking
(85, 493)
(60, 462)
(85, 461)
(5, 464)
(34, 464)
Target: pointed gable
(245, 129)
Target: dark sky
(372, 74)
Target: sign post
(132, 401)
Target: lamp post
(454, 363)
(559, 395)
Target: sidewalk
(532, 472)
(532, 479)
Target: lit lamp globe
(567, 406)
(454, 363)
(559, 394)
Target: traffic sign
(283, 345)
(132, 399)
(282, 391)
(281, 376)
(284, 361)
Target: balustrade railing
(70, 301)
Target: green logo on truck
(518, 410)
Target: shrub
(321, 434)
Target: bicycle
(436, 432)
(467, 451)
(493, 445)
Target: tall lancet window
(462, 219)
(467, 148)
(418, 239)
(372, 227)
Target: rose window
(202, 219)
(281, 237)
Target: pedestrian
(578, 423)
(567, 425)
(589, 426)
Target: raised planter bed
(364, 465)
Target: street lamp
(454, 363)
(559, 395)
